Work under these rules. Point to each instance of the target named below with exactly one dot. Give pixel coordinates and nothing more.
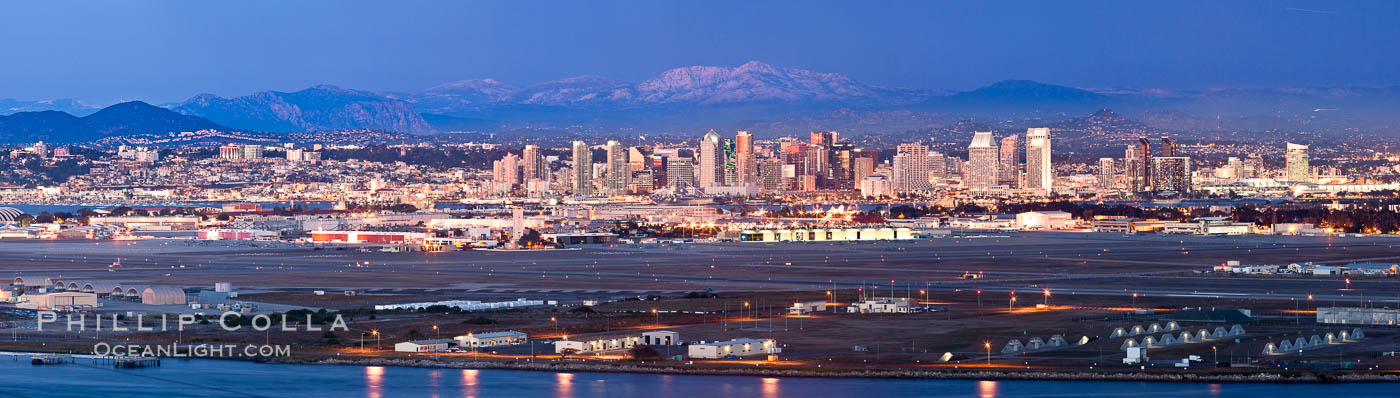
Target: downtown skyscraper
(1296, 167)
(619, 176)
(911, 168)
(1040, 173)
(583, 168)
(745, 161)
(983, 162)
(710, 161)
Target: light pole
(658, 317)
(1215, 354)
(376, 339)
(988, 346)
(362, 342)
(556, 324)
(438, 336)
(1047, 297)
(1011, 303)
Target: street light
(1047, 297)
(556, 324)
(988, 346)
(658, 316)
(376, 338)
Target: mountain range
(771, 100)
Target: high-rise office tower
(1171, 174)
(1040, 173)
(1168, 147)
(1296, 163)
(983, 162)
(822, 142)
(1143, 174)
(912, 174)
(1106, 174)
(680, 172)
(770, 174)
(505, 173)
(618, 172)
(710, 164)
(745, 161)
(863, 165)
(583, 168)
(532, 164)
(1010, 172)
(937, 167)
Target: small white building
(1044, 220)
(738, 347)
(880, 306)
(807, 307)
(492, 339)
(436, 345)
(597, 344)
(661, 337)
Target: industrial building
(1044, 220)
(150, 223)
(492, 339)
(738, 348)
(236, 234)
(661, 337)
(368, 237)
(435, 345)
(880, 306)
(1358, 316)
(807, 307)
(823, 235)
(62, 301)
(1208, 226)
(597, 344)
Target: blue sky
(162, 51)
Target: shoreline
(1189, 377)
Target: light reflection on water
(564, 385)
(770, 387)
(374, 381)
(469, 382)
(987, 389)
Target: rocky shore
(1189, 377)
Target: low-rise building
(661, 337)
(880, 306)
(491, 339)
(435, 345)
(737, 348)
(807, 307)
(1208, 226)
(1358, 316)
(1044, 220)
(62, 301)
(597, 344)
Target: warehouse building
(436, 345)
(597, 344)
(368, 237)
(1358, 316)
(1044, 220)
(737, 348)
(661, 337)
(492, 339)
(163, 295)
(825, 235)
(62, 301)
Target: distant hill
(121, 119)
(1020, 97)
(319, 108)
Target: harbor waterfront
(215, 378)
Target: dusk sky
(103, 52)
